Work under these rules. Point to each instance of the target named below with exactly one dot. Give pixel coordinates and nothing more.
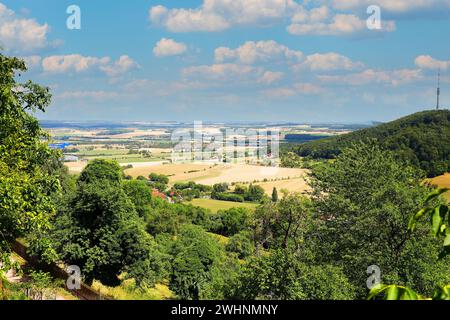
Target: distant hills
(422, 139)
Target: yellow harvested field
(176, 172)
(442, 182)
(249, 173)
(76, 167)
(292, 185)
(139, 133)
(211, 174)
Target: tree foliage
(364, 201)
(420, 139)
(440, 228)
(281, 275)
(25, 185)
(282, 224)
(101, 231)
(195, 255)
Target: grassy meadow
(216, 205)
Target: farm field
(176, 172)
(122, 155)
(292, 185)
(250, 173)
(76, 167)
(442, 182)
(216, 205)
(212, 174)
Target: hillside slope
(422, 138)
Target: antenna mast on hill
(438, 89)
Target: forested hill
(422, 138)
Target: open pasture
(216, 205)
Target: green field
(216, 205)
(127, 158)
(120, 155)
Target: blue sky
(232, 60)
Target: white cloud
(294, 90)
(338, 25)
(428, 62)
(73, 62)
(261, 51)
(168, 47)
(270, 51)
(219, 15)
(370, 76)
(119, 67)
(270, 77)
(222, 72)
(228, 74)
(21, 35)
(327, 62)
(78, 63)
(396, 6)
(302, 15)
(311, 17)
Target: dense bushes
(241, 244)
(190, 190)
(158, 182)
(227, 197)
(165, 217)
(241, 193)
(229, 222)
(254, 193)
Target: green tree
(196, 256)
(220, 187)
(281, 275)
(231, 221)
(241, 190)
(438, 216)
(274, 195)
(363, 202)
(283, 224)
(255, 193)
(101, 231)
(241, 244)
(25, 184)
(158, 181)
(141, 196)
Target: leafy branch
(440, 226)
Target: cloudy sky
(228, 60)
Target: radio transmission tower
(438, 89)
